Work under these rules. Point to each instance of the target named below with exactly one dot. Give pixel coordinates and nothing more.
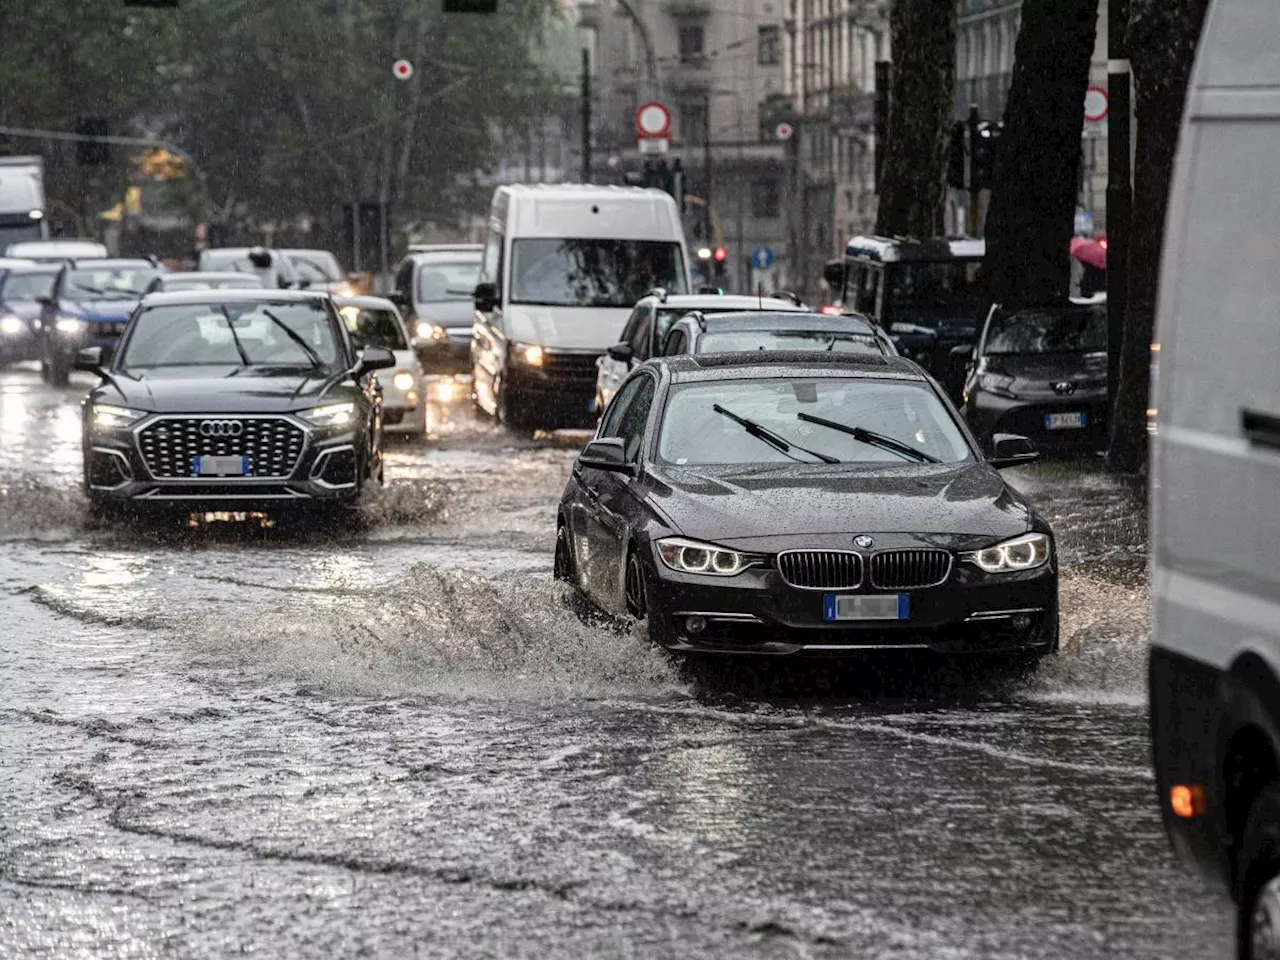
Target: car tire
(564, 570)
(1258, 872)
(637, 598)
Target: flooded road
(402, 738)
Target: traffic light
(92, 153)
(985, 145)
(955, 156)
(719, 258)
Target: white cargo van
(1215, 490)
(561, 269)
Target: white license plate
(1065, 421)
(221, 466)
(892, 606)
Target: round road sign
(1095, 104)
(653, 120)
(783, 131)
(402, 69)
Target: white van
(50, 251)
(1215, 487)
(562, 267)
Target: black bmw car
(784, 503)
(233, 399)
(1042, 372)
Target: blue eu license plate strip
(891, 606)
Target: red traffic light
(720, 255)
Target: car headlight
(693, 556)
(427, 330)
(531, 355)
(997, 383)
(330, 415)
(112, 417)
(1021, 553)
(69, 325)
(10, 325)
(403, 381)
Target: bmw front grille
(821, 569)
(170, 445)
(909, 569)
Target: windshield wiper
(872, 438)
(296, 338)
(761, 432)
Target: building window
(770, 46)
(693, 122)
(766, 201)
(691, 42)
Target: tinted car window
(676, 343)
(1049, 330)
(693, 432)
(830, 341)
(442, 282)
(239, 334)
(635, 417)
(27, 286)
(374, 328)
(639, 336)
(617, 408)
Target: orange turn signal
(1186, 800)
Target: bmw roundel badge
(863, 541)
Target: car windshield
(831, 341)
(907, 412)
(593, 273)
(318, 266)
(1080, 329)
(171, 284)
(108, 283)
(27, 286)
(927, 283)
(443, 282)
(373, 327)
(237, 334)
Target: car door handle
(1261, 428)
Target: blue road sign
(762, 258)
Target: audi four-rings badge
(221, 428)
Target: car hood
(170, 391)
(1035, 375)
(101, 311)
(754, 508)
(447, 313)
(26, 309)
(570, 328)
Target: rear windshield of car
(1081, 329)
(446, 281)
(829, 341)
(907, 412)
(108, 283)
(236, 334)
(371, 327)
(27, 286)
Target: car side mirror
(609, 454)
(398, 298)
(833, 271)
(375, 358)
(961, 351)
(303, 283)
(622, 352)
(1011, 450)
(485, 296)
(90, 360)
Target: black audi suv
(1042, 372)
(233, 399)
(780, 503)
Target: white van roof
(57, 250)
(587, 211)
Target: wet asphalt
(400, 738)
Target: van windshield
(593, 273)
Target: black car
(89, 307)
(735, 332)
(233, 399)
(1042, 372)
(434, 288)
(800, 502)
(21, 291)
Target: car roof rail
(787, 295)
(659, 292)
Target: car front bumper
(328, 468)
(757, 612)
(989, 414)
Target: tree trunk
(1162, 46)
(1037, 159)
(922, 35)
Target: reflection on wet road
(402, 738)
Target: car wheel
(565, 570)
(637, 596)
(1258, 930)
